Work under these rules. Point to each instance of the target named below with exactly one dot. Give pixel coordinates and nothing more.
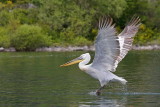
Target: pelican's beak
(74, 61)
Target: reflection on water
(105, 102)
(35, 79)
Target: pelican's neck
(82, 65)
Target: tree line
(29, 24)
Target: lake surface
(35, 80)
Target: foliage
(66, 21)
(149, 12)
(144, 35)
(72, 22)
(4, 38)
(6, 4)
(29, 37)
(81, 41)
(77, 41)
(114, 8)
(5, 17)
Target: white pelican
(109, 51)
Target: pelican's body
(110, 50)
(101, 74)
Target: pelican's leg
(98, 92)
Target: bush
(77, 41)
(25, 16)
(145, 35)
(4, 38)
(30, 37)
(81, 41)
(5, 16)
(21, 15)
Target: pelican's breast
(92, 72)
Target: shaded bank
(78, 48)
(91, 48)
(7, 49)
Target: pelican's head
(76, 60)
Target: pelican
(110, 49)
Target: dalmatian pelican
(110, 49)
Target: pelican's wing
(126, 38)
(111, 49)
(107, 47)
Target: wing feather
(111, 49)
(126, 39)
(107, 46)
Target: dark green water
(36, 80)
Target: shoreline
(78, 48)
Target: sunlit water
(35, 79)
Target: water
(36, 80)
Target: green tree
(66, 20)
(5, 17)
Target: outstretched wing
(107, 48)
(111, 49)
(126, 39)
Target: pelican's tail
(114, 77)
(121, 80)
(108, 76)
